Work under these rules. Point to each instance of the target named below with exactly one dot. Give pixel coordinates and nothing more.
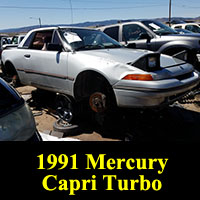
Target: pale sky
(18, 13)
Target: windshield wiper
(113, 46)
(89, 47)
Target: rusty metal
(97, 102)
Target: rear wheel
(15, 81)
(10, 72)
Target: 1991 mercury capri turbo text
(87, 64)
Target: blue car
(16, 119)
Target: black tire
(65, 127)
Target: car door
(46, 69)
(135, 36)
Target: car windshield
(159, 28)
(193, 28)
(86, 39)
(9, 99)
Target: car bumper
(152, 97)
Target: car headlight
(149, 62)
(17, 125)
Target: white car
(87, 65)
(193, 27)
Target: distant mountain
(84, 24)
(93, 24)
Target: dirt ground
(173, 123)
(45, 120)
(176, 123)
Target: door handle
(27, 55)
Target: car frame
(102, 73)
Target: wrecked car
(16, 119)
(87, 65)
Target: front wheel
(102, 100)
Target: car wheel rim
(64, 114)
(64, 110)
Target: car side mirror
(145, 36)
(54, 47)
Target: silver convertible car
(86, 64)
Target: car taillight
(138, 77)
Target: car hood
(121, 55)
(126, 56)
(182, 36)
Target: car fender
(173, 45)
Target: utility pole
(40, 23)
(39, 19)
(170, 12)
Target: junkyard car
(16, 120)
(86, 64)
(3, 40)
(155, 36)
(16, 39)
(188, 26)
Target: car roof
(120, 23)
(57, 27)
(185, 24)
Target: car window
(56, 39)
(193, 28)
(9, 99)
(21, 38)
(113, 32)
(41, 39)
(177, 26)
(86, 39)
(132, 32)
(15, 40)
(5, 41)
(28, 41)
